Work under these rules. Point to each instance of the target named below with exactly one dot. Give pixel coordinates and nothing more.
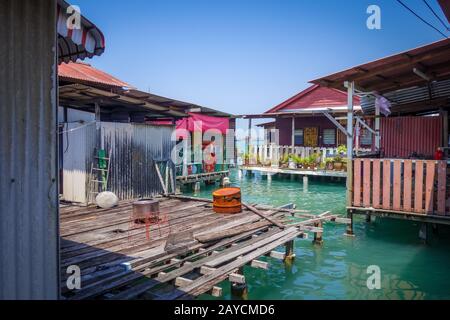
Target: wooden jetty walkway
(203, 177)
(301, 172)
(119, 261)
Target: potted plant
(329, 165)
(337, 163)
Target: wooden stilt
(318, 235)
(239, 290)
(289, 255)
(423, 232)
(349, 231)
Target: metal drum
(227, 200)
(145, 211)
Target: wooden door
(311, 137)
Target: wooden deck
(118, 261)
(203, 177)
(316, 173)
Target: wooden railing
(418, 186)
(271, 153)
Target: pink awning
(194, 121)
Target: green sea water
(338, 268)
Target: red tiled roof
(315, 97)
(85, 73)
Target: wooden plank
(236, 278)
(418, 187)
(366, 183)
(376, 201)
(259, 264)
(203, 284)
(146, 270)
(182, 282)
(277, 255)
(386, 184)
(429, 186)
(396, 198)
(262, 215)
(407, 185)
(357, 183)
(248, 248)
(442, 187)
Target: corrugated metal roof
(83, 72)
(396, 72)
(314, 97)
(429, 97)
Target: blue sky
(246, 56)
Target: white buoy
(106, 200)
(226, 182)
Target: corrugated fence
(403, 136)
(134, 150)
(28, 168)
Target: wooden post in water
(350, 91)
(239, 290)
(349, 231)
(289, 255)
(318, 235)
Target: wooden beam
(391, 67)
(335, 122)
(236, 278)
(277, 255)
(259, 264)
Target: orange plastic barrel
(227, 200)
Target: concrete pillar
(305, 183)
(269, 178)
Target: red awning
(73, 44)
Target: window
(329, 136)
(365, 137)
(298, 137)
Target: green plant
(342, 150)
(284, 159)
(337, 158)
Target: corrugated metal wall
(401, 136)
(77, 151)
(28, 173)
(439, 89)
(134, 148)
